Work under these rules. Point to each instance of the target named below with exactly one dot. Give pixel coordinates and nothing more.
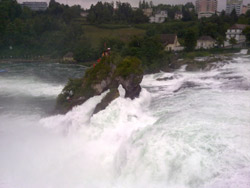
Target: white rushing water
(192, 130)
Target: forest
(61, 29)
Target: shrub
(129, 65)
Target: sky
(87, 3)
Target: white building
(178, 15)
(236, 32)
(36, 6)
(147, 12)
(234, 4)
(205, 42)
(159, 17)
(171, 43)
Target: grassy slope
(95, 34)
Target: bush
(129, 65)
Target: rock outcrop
(111, 95)
(106, 75)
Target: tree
(190, 40)
(246, 32)
(189, 5)
(147, 49)
(232, 41)
(247, 14)
(55, 8)
(84, 52)
(124, 12)
(209, 28)
(187, 15)
(234, 16)
(144, 4)
(101, 13)
(220, 41)
(139, 17)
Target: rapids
(190, 131)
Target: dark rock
(104, 76)
(187, 85)
(112, 95)
(165, 78)
(131, 85)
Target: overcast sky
(87, 3)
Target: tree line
(56, 31)
(123, 13)
(30, 33)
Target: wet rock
(112, 95)
(131, 84)
(165, 78)
(106, 75)
(186, 85)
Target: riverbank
(199, 60)
(29, 60)
(195, 61)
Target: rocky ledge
(108, 74)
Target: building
(69, 57)
(234, 5)
(84, 14)
(205, 14)
(206, 8)
(148, 12)
(36, 6)
(178, 15)
(236, 31)
(205, 42)
(159, 17)
(170, 42)
(245, 8)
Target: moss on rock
(98, 79)
(130, 65)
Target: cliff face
(106, 75)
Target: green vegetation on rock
(109, 73)
(130, 65)
(99, 72)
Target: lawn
(95, 34)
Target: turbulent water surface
(191, 130)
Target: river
(190, 131)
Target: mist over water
(190, 131)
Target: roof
(162, 12)
(168, 38)
(239, 26)
(206, 38)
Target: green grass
(194, 54)
(95, 34)
(113, 26)
(205, 53)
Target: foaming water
(33, 87)
(28, 87)
(191, 130)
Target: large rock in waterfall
(106, 75)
